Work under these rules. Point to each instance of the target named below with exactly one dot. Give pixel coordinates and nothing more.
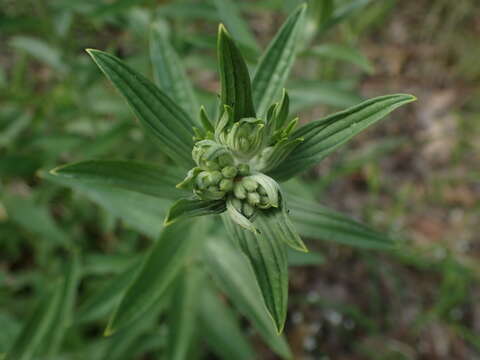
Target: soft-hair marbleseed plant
(233, 167)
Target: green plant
(254, 136)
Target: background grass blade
(276, 62)
(231, 16)
(235, 80)
(319, 222)
(170, 74)
(156, 111)
(235, 276)
(221, 329)
(160, 267)
(37, 326)
(323, 136)
(107, 297)
(182, 313)
(130, 175)
(64, 314)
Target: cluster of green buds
(233, 156)
(219, 175)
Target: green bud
(237, 204)
(253, 198)
(229, 171)
(261, 191)
(202, 180)
(212, 165)
(248, 210)
(239, 191)
(226, 185)
(214, 177)
(243, 169)
(225, 160)
(264, 200)
(213, 188)
(249, 184)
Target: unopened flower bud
(237, 204)
(212, 165)
(229, 172)
(225, 160)
(243, 169)
(226, 185)
(213, 188)
(239, 191)
(253, 198)
(261, 191)
(248, 210)
(202, 181)
(249, 184)
(214, 177)
(264, 200)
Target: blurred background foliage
(415, 176)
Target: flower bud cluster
(248, 195)
(218, 175)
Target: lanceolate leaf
(182, 313)
(130, 175)
(160, 267)
(141, 212)
(342, 13)
(64, 313)
(108, 296)
(170, 74)
(318, 222)
(234, 274)
(323, 136)
(156, 111)
(236, 88)
(275, 64)
(187, 208)
(268, 257)
(221, 329)
(343, 53)
(36, 327)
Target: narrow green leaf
(40, 50)
(236, 88)
(305, 95)
(159, 114)
(64, 314)
(342, 14)
(323, 136)
(319, 222)
(182, 313)
(231, 16)
(234, 274)
(319, 11)
(108, 296)
(276, 62)
(130, 175)
(187, 208)
(298, 258)
(160, 267)
(141, 212)
(124, 344)
(221, 329)
(35, 219)
(36, 327)
(170, 73)
(268, 257)
(343, 53)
